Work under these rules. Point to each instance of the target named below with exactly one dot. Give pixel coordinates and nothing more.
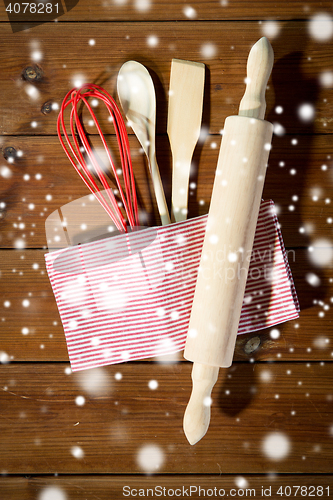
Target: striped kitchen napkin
(129, 297)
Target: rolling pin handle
(197, 414)
(259, 67)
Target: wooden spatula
(184, 122)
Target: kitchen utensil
(137, 96)
(85, 165)
(230, 228)
(184, 121)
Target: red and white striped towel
(129, 297)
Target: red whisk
(75, 154)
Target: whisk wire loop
(74, 152)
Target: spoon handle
(159, 191)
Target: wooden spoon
(137, 96)
(184, 122)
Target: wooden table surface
(272, 413)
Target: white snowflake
(321, 342)
(52, 493)
(274, 334)
(266, 376)
(5, 172)
(312, 279)
(4, 357)
(189, 12)
(208, 50)
(278, 129)
(241, 482)
(95, 382)
(270, 29)
(142, 5)
(276, 446)
(19, 244)
(306, 112)
(32, 92)
(326, 79)
(80, 400)
(321, 27)
(150, 458)
(321, 252)
(77, 452)
(152, 41)
(78, 80)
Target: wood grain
(60, 183)
(222, 46)
(39, 419)
(106, 487)
(41, 424)
(162, 10)
(35, 333)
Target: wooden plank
(265, 418)
(161, 10)
(43, 428)
(34, 332)
(117, 488)
(42, 180)
(222, 46)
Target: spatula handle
(181, 173)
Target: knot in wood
(33, 73)
(9, 153)
(46, 108)
(252, 345)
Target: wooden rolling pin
(228, 241)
